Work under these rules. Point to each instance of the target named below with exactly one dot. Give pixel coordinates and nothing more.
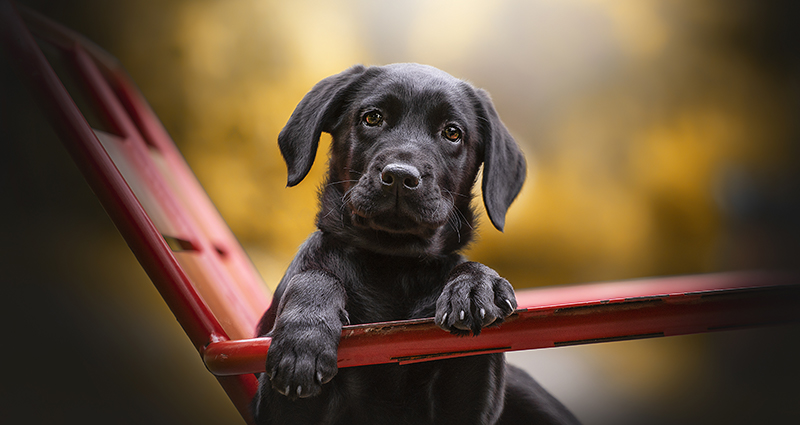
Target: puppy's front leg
(474, 297)
(305, 339)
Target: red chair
(216, 294)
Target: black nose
(393, 175)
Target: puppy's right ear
(317, 112)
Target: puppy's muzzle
(397, 177)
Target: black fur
(395, 210)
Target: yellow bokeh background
(661, 137)
(633, 115)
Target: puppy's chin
(394, 224)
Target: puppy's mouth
(397, 214)
(392, 222)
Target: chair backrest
(143, 182)
(162, 195)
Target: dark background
(663, 139)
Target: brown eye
(373, 118)
(452, 133)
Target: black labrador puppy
(395, 210)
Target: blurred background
(662, 138)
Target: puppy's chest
(383, 292)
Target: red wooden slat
(561, 316)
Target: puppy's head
(408, 141)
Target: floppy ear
(503, 164)
(317, 112)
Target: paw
(300, 362)
(474, 297)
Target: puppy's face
(406, 153)
(408, 141)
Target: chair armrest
(560, 316)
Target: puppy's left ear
(503, 164)
(318, 111)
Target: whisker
(455, 222)
(455, 193)
(460, 215)
(353, 171)
(453, 219)
(346, 197)
(340, 182)
(465, 219)
(329, 213)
